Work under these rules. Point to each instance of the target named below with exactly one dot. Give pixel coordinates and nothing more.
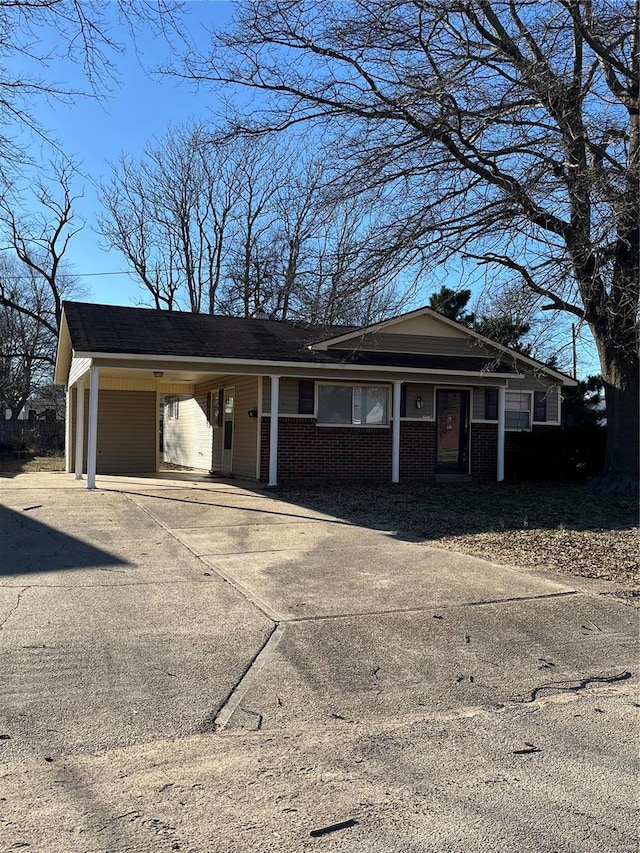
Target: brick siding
(307, 451)
(417, 450)
(532, 455)
(484, 451)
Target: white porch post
(79, 429)
(501, 425)
(395, 434)
(92, 440)
(67, 430)
(273, 431)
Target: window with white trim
(173, 408)
(353, 405)
(517, 410)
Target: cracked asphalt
(201, 666)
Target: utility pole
(574, 351)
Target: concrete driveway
(195, 665)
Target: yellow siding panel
(245, 435)
(127, 430)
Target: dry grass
(30, 464)
(557, 527)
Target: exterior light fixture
(158, 374)
(419, 402)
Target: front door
(227, 430)
(452, 419)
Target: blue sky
(141, 105)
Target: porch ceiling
(189, 377)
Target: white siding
(188, 439)
(79, 367)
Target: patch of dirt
(31, 464)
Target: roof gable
(413, 322)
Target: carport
(114, 400)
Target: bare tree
(27, 345)
(39, 240)
(215, 222)
(250, 279)
(35, 34)
(506, 130)
(170, 214)
(34, 283)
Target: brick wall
(306, 451)
(533, 455)
(519, 456)
(484, 451)
(417, 450)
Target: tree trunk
(620, 473)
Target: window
(491, 404)
(173, 408)
(540, 406)
(518, 407)
(518, 410)
(306, 402)
(214, 414)
(366, 405)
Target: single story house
(416, 397)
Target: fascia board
(275, 366)
(64, 353)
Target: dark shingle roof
(141, 331)
(116, 329)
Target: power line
(75, 274)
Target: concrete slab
(360, 668)
(371, 578)
(433, 723)
(55, 558)
(85, 669)
(111, 631)
(287, 537)
(425, 786)
(49, 530)
(209, 510)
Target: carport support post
(67, 430)
(273, 430)
(395, 434)
(92, 442)
(79, 429)
(501, 427)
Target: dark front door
(452, 421)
